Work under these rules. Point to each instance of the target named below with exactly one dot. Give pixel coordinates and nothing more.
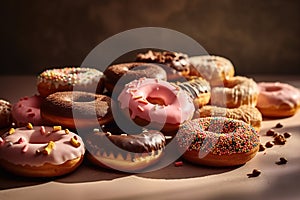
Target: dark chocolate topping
(177, 61)
(132, 71)
(146, 142)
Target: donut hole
(273, 88)
(161, 96)
(84, 99)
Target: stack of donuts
(128, 113)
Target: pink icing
(277, 94)
(178, 106)
(21, 146)
(27, 110)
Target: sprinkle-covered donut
(218, 141)
(236, 91)
(40, 151)
(67, 79)
(199, 90)
(26, 110)
(159, 104)
(175, 64)
(129, 153)
(215, 69)
(5, 114)
(278, 99)
(248, 114)
(116, 76)
(87, 109)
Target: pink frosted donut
(277, 99)
(163, 105)
(40, 151)
(27, 110)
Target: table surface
(185, 182)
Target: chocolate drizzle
(177, 61)
(149, 142)
(195, 87)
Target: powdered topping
(217, 135)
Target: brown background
(260, 37)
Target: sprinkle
(255, 173)
(1, 140)
(67, 131)
(261, 147)
(11, 131)
(270, 132)
(74, 142)
(123, 134)
(95, 130)
(29, 126)
(282, 161)
(143, 101)
(287, 135)
(269, 144)
(178, 164)
(43, 130)
(49, 148)
(279, 139)
(141, 108)
(137, 97)
(25, 148)
(56, 128)
(278, 125)
(10, 144)
(21, 140)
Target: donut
(199, 90)
(237, 91)
(5, 114)
(69, 78)
(88, 109)
(174, 63)
(217, 141)
(40, 151)
(128, 153)
(248, 114)
(157, 104)
(277, 99)
(123, 73)
(26, 110)
(215, 69)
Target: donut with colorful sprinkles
(217, 141)
(69, 78)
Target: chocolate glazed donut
(130, 153)
(61, 108)
(176, 65)
(130, 72)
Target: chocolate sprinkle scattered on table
(278, 125)
(287, 135)
(282, 161)
(261, 147)
(270, 132)
(255, 173)
(269, 144)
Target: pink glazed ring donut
(40, 151)
(26, 110)
(277, 99)
(156, 103)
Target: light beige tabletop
(185, 182)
